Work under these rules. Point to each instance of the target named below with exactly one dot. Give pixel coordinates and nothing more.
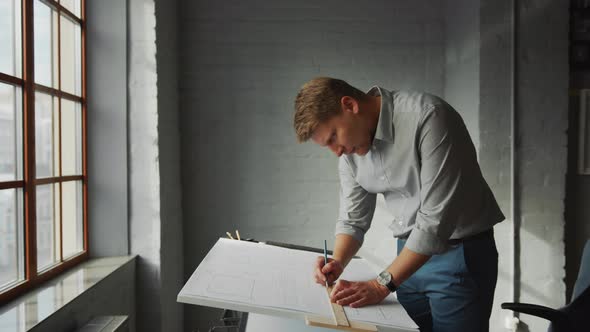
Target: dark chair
(573, 317)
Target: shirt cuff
(426, 243)
(357, 233)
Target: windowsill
(28, 310)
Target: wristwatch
(384, 278)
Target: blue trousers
(453, 291)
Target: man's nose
(337, 149)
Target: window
(43, 179)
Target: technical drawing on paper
(256, 275)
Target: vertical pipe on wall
(512, 320)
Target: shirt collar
(384, 130)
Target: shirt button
(400, 220)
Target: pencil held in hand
(326, 258)
(329, 272)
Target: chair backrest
(579, 307)
(583, 280)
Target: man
(415, 150)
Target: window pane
(71, 139)
(71, 56)
(72, 224)
(10, 133)
(45, 31)
(72, 5)
(11, 236)
(46, 136)
(47, 225)
(10, 37)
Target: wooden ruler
(338, 313)
(339, 320)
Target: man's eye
(332, 138)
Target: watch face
(384, 278)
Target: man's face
(345, 133)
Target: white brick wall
(541, 114)
(542, 127)
(494, 136)
(144, 175)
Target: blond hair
(319, 100)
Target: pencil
(238, 235)
(326, 258)
(229, 235)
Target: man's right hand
(329, 272)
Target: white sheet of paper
(264, 276)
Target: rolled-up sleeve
(441, 152)
(357, 206)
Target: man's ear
(349, 104)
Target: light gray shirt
(424, 163)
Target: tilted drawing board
(259, 278)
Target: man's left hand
(358, 293)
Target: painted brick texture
(543, 81)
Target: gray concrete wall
(242, 65)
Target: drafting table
(259, 322)
(274, 281)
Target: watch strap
(392, 287)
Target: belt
(478, 236)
